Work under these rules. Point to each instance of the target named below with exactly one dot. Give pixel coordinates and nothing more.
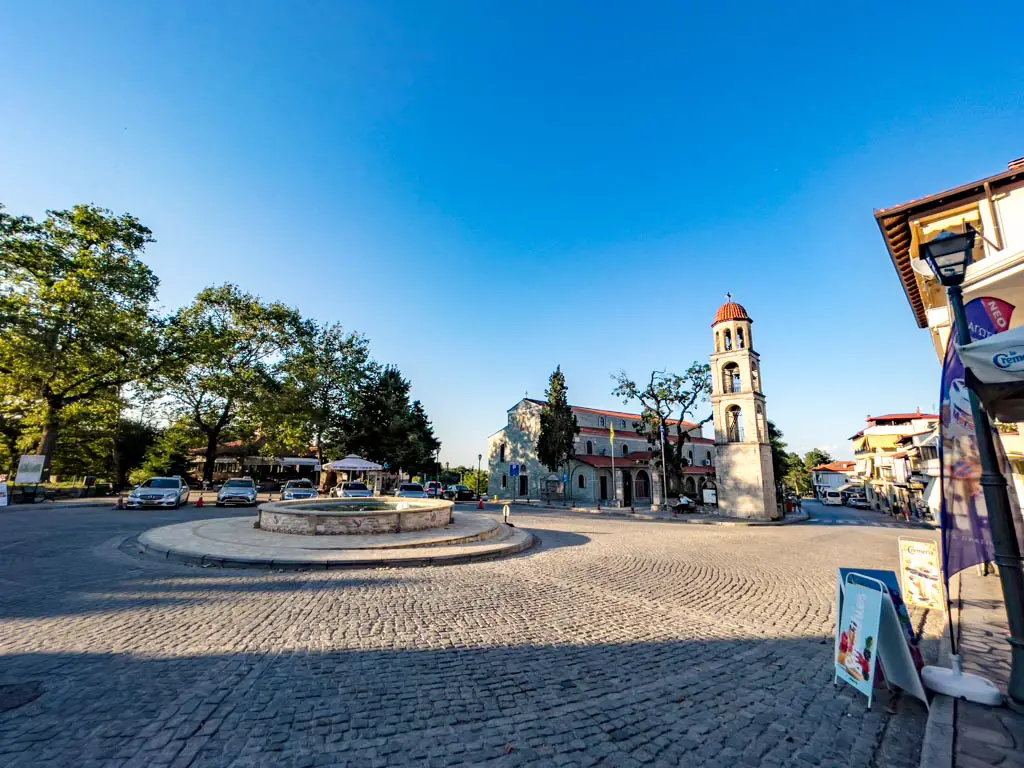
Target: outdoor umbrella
(995, 371)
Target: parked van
(833, 499)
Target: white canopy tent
(995, 371)
(353, 463)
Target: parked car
(833, 499)
(434, 489)
(411, 491)
(299, 489)
(239, 490)
(859, 502)
(353, 490)
(459, 493)
(159, 492)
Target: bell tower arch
(743, 466)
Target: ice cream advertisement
(858, 637)
(919, 573)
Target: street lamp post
(479, 456)
(949, 255)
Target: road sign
(565, 478)
(513, 470)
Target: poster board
(710, 496)
(3, 495)
(920, 576)
(893, 648)
(857, 634)
(30, 470)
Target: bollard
(199, 503)
(480, 503)
(506, 511)
(120, 502)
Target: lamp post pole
(479, 456)
(997, 503)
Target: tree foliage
(320, 387)
(816, 457)
(668, 401)
(229, 344)
(556, 445)
(386, 427)
(75, 311)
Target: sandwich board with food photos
(920, 573)
(870, 634)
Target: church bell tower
(743, 466)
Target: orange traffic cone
(480, 504)
(120, 502)
(199, 503)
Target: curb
(206, 561)
(940, 730)
(793, 520)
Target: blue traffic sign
(513, 470)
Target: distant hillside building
(875, 451)
(590, 478)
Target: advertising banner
(858, 634)
(966, 536)
(710, 496)
(30, 470)
(920, 573)
(3, 494)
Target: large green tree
(816, 457)
(231, 345)
(387, 428)
(76, 316)
(668, 401)
(320, 386)
(556, 444)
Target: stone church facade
(736, 463)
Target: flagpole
(664, 477)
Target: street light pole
(997, 503)
(479, 456)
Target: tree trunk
(53, 406)
(212, 437)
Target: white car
(299, 489)
(353, 490)
(833, 499)
(159, 492)
(411, 491)
(237, 491)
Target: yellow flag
(611, 433)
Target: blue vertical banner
(966, 535)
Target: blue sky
(488, 190)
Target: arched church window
(625, 449)
(582, 482)
(622, 423)
(739, 338)
(760, 424)
(590, 448)
(600, 421)
(501, 453)
(730, 378)
(755, 378)
(734, 424)
(728, 340)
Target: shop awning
(995, 372)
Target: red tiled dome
(730, 311)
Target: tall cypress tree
(556, 445)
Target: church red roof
(730, 311)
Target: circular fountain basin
(333, 517)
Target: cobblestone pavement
(614, 642)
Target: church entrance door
(627, 488)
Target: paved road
(615, 642)
(823, 515)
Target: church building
(624, 470)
